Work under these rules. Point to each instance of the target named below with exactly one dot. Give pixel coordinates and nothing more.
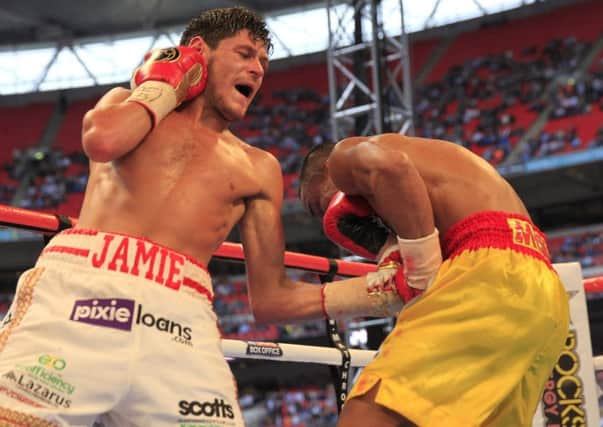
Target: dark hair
(214, 25)
(313, 163)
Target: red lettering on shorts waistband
(133, 256)
(493, 229)
(526, 234)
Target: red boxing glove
(351, 223)
(390, 274)
(382, 293)
(167, 78)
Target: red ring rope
(593, 285)
(11, 216)
(49, 224)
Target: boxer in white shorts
(119, 329)
(118, 326)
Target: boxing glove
(167, 78)
(390, 276)
(381, 293)
(351, 223)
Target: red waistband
(132, 256)
(493, 229)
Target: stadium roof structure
(35, 21)
(38, 21)
(61, 44)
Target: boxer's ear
(198, 43)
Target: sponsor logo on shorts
(123, 314)
(37, 389)
(52, 362)
(110, 313)
(563, 397)
(48, 372)
(269, 349)
(206, 413)
(524, 234)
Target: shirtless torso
(184, 186)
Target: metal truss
(84, 72)
(369, 71)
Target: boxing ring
(571, 393)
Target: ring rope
(296, 353)
(45, 223)
(11, 216)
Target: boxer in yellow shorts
(471, 350)
(485, 314)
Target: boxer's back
(184, 186)
(459, 182)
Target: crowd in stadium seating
(310, 405)
(303, 407)
(485, 104)
(7, 191)
(50, 174)
(585, 247)
(477, 103)
(578, 96)
(550, 143)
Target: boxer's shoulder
(255, 154)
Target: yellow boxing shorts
(478, 346)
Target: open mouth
(244, 90)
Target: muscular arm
(384, 174)
(114, 127)
(272, 295)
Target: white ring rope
(308, 353)
(282, 352)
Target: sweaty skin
(186, 183)
(414, 183)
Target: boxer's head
(315, 186)
(236, 43)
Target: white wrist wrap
(159, 99)
(421, 258)
(370, 296)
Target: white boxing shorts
(118, 330)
